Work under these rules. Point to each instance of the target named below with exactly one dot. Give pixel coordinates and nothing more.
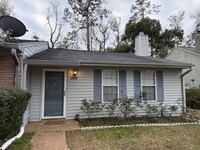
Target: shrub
(91, 107)
(112, 107)
(13, 103)
(126, 108)
(193, 98)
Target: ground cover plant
(23, 143)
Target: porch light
(74, 76)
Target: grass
(152, 138)
(23, 143)
(129, 138)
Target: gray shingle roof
(190, 49)
(91, 58)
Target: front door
(54, 94)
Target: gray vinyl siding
(172, 85)
(83, 87)
(182, 55)
(26, 114)
(172, 88)
(77, 90)
(35, 102)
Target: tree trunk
(88, 34)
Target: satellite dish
(12, 26)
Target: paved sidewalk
(50, 137)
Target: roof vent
(142, 45)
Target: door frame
(43, 93)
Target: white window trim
(43, 93)
(103, 85)
(141, 75)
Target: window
(148, 84)
(110, 85)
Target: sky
(31, 13)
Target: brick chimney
(142, 45)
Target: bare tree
(190, 39)
(143, 8)
(102, 33)
(176, 20)
(115, 27)
(70, 41)
(84, 14)
(54, 22)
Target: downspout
(16, 61)
(183, 89)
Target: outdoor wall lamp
(74, 75)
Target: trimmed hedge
(13, 103)
(193, 98)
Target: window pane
(150, 92)
(109, 93)
(148, 77)
(110, 77)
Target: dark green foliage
(160, 41)
(123, 48)
(13, 103)
(193, 98)
(107, 121)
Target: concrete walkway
(50, 134)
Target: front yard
(128, 138)
(152, 138)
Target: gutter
(102, 64)
(16, 61)
(183, 89)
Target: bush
(91, 107)
(193, 98)
(13, 103)
(126, 108)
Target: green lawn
(151, 138)
(23, 143)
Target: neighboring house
(12, 53)
(59, 79)
(189, 55)
(12, 68)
